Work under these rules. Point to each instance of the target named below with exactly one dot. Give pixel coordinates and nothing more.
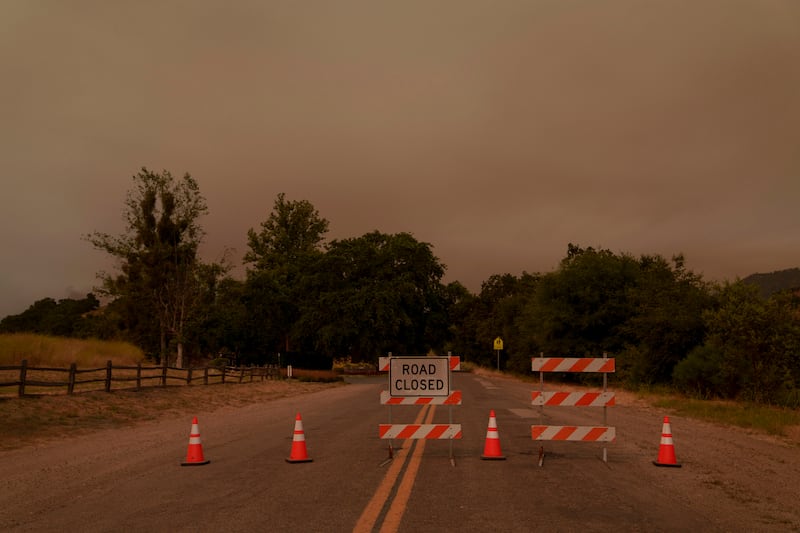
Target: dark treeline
(311, 301)
(63, 318)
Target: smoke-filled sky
(497, 131)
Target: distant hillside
(775, 281)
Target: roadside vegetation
(306, 301)
(778, 421)
(47, 416)
(60, 352)
(29, 419)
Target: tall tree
(580, 308)
(668, 302)
(281, 256)
(756, 341)
(379, 293)
(157, 253)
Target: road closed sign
(419, 376)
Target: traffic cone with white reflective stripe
(194, 455)
(299, 454)
(666, 451)
(491, 449)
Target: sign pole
(450, 413)
(541, 410)
(391, 441)
(498, 345)
(605, 409)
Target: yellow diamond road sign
(498, 343)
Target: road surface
(131, 479)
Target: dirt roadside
(741, 476)
(38, 419)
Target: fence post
(164, 373)
(224, 369)
(189, 376)
(205, 375)
(71, 382)
(138, 375)
(108, 376)
(23, 373)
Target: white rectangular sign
(419, 376)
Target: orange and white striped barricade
(455, 363)
(454, 398)
(573, 364)
(419, 431)
(574, 433)
(574, 399)
(420, 381)
(604, 399)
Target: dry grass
(43, 350)
(54, 414)
(779, 421)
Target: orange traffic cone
(492, 448)
(299, 453)
(666, 452)
(194, 455)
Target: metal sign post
(498, 346)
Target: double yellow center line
(391, 520)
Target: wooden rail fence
(25, 378)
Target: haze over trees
(311, 301)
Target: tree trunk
(179, 358)
(164, 354)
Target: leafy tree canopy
(378, 293)
(158, 257)
(64, 318)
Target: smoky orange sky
(497, 131)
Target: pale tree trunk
(178, 331)
(164, 353)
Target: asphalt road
(131, 479)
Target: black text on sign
(419, 376)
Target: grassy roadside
(59, 352)
(31, 419)
(776, 421)
(24, 421)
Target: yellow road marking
(373, 509)
(391, 521)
